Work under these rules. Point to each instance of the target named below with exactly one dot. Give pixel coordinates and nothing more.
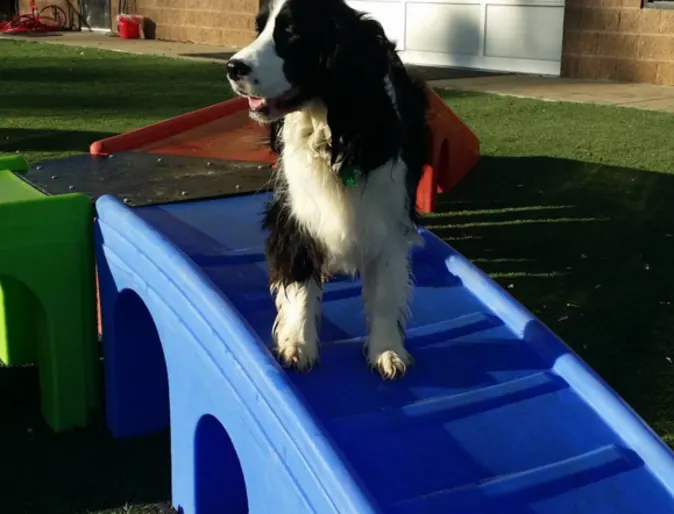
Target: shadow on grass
(86, 82)
(65, 72)
(219, 56)
(73, 473)
(44, 140)
(589, 249)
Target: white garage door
(501, 35)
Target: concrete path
(132, 46)
(641, 96)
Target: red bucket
(129, 26)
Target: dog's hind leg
(386, 289)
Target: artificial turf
(570, 209)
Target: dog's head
(307, 50)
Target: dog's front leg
(295, 332)
(385, 292)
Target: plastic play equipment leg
(47, 296)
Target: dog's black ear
(361, 114)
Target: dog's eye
(290, 34)
(285, 35)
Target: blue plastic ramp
(497, 416)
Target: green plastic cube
(13, 163)
(48, 296)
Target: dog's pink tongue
(255, 102)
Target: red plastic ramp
(221, 131)
(455, 150)
(224, 131)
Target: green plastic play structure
(48, 294)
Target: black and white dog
(350, 127)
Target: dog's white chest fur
(353, 223)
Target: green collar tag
(350, 176)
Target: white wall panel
(391, 15)
(500, 35)
(450, 28)
(524, 31)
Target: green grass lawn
(570, 209)
(56, 100)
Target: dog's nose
(237, 69)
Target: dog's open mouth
(282, 104)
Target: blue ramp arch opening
(219, 485)
(141, 365)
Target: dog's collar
(350, 176)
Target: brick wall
(618, 40)
(227, 23)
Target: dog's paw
(389, 363)
(297, 356)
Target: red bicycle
(48, 19)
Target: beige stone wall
(225, 23)
(618, 40)
(228, 23)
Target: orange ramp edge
(224, 131)
(455, 150)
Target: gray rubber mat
(141, 179)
